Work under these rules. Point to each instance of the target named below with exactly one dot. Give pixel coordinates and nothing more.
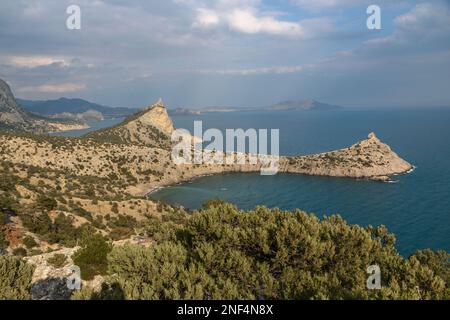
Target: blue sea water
(416, 209)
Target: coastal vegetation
(221, 252)
(92, 257)
(15, 279)
(57, 261)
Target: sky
(197, 53)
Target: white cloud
(206, 18)
(243, 16)
(35, 61)
(246, 21)
(53, 88)
(256, 71)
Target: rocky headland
(140, 149)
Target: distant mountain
(303, 105)
(16, 119)
(72, 108)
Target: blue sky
(197, 53)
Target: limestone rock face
(50, 283)
(157, 116)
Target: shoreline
(381, 179)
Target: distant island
(304, 105)
(301, 105)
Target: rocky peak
(373, 142)
(372, 136)
(156, 115)
(150, 127)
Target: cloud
(35, 61)
(224, 51)
(246, 21)
(246, 17)
(206, 18)
(53, 88)
(425, 22)
(257, 71)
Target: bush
(120, 233)
(3, 218)
(212, 203)
(226, 253)
(92, 258)
(60, 231)
(107, 292)
(46, 203)
(20, 252)
(29, 242)
(57, 261)
(15, 279)
(3, 242)
(122, 227)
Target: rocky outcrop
(370, 159)
(50, 283)
(155, 116)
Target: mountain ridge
(74, 106)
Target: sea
(415, 206)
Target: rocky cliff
(155, 116)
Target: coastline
(382, 179)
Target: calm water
(416, 209)
(93, 125)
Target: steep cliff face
(11, 115)
(14, 118)
(156, 116)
